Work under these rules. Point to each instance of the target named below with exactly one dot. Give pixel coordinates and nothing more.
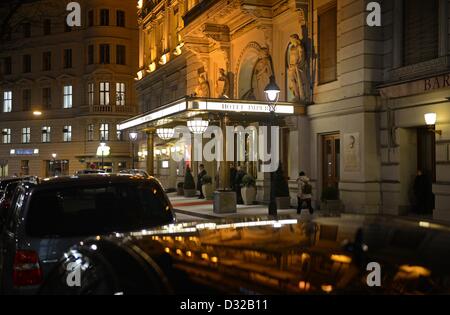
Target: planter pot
(208, 191)
(248, 195)
(180, 191)
(225, 202)
(283, 202)
(189, 193)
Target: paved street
(188, 209)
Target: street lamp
(103, 150)
(54, 165)
(430, 120)
(198, 126)
(133, 137)
(272, 93)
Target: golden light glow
(304, 286)
(205, 256)
(37, 113)
(341, 259)
(214, 260)
(140, 75)
(327, 288)
(415, 271)
(179, 252)
(189, 253)
(167, 250)
(152, 67)
(140, 3)
(98, 238)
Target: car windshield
(85, 211)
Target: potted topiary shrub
(330, 200)
(248, 189)
(282, 196)
(180, 189)
(189, 184)
(207, 187)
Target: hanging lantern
(165, 133)
(198, 126)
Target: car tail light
(27, 271)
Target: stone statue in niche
(202, 89)
(223, 84)
(299, 83)
(261, 74)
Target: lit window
(67, 133)
(26, 135)
(120, 94)
(6, 133)
(91, 94)
(68, 96)
(90, 132)
(104, 93)
(104, 132)
(46, 134)
(7, 101)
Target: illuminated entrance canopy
(213, 105)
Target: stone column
(224, 171)
(150, 153)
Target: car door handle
(50, 261)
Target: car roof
(92, 179)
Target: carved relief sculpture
(298, 70)
(262, 73)
(223, 84)
(202, 89)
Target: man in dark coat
(423, 193)
(238, 184)
(201, 173)
(232, 176)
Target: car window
(91, 210)
(15, 210)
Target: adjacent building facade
(63, 90)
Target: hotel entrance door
(331, 149)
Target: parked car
(49, 217)
(263, 256)
(6, 181)
(135, 172)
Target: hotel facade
(64, 89)
(353, 97)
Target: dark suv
(45, 219)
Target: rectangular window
(7, 65)
(120, 18)
(47, 61)
(67, 58)
(104, 54)
(26, 28)
(6, 133)
(67, 134)
(104, 132)
(26, 63)
(26, 135)
(7, 101)
(120, 94)
(104, 93)
(120, 55)
(420, 31)
(26, 99)
(91, 18)
(91, 93)
(25, 167)
(47, 27)
(328, 45)
(46, 133)
(104, 17)
(90, 54)
(90, 132)
(47, 97)
(68, 96)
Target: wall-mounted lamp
(430, 120)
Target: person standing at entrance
(238, 184)
(423, 193)
(232, 176)
(304, 194)
(201, 173)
